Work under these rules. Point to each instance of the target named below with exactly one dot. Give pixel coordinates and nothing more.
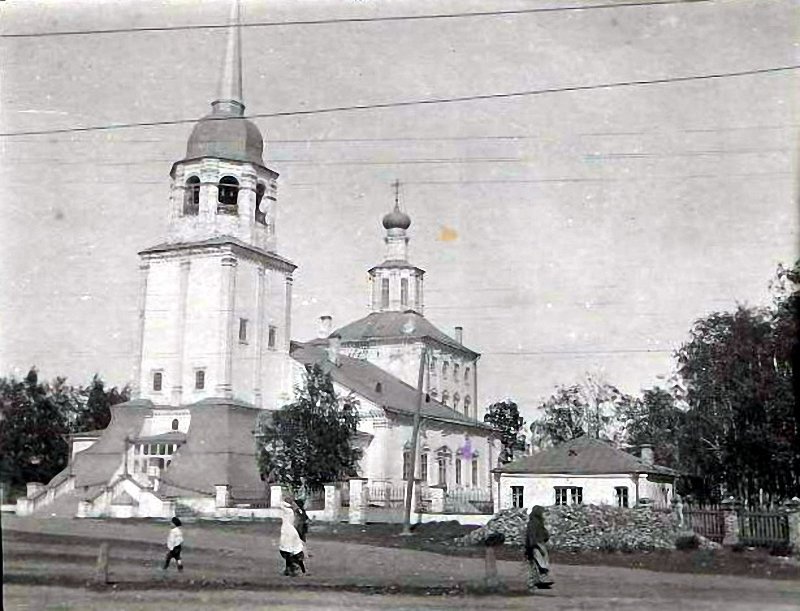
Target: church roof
(226, 136)
(407, 325)
(377, 385)
(277, 260)
(582, 456)
(396, 263)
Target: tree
(654, 419)
(33, 431)
(588, 408)
(504, 416)
(309, 442)
(94, 413)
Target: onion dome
(225, 134)
(396, 219)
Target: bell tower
(215, 298)
(395, 284)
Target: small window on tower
(261, 217)
(243, 330)
(191, 197)
(404, 292)
(158, 380)
(199, 379)
(228, 195)
(175, 424)
(272, 337)
(385, 293)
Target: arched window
(466, 374)
(406, 461)
(228, 195)
(456, 401)
(175, 424)
(467, 405)
(474, 470)
(384, 292)
(423, 465)
(458, 471)
(445, 397)
(261, 217)
(456, 369)
(191, 197)
(404, 292)
(445, 369)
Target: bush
(587, 527)
(687, 541)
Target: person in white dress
(291, 545)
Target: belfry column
(226, 313)
(144, 270)
(258, 372)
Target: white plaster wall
(660, 492)
(79, 445)
(243, 353)
(161, 313)
(539, 490)
(160, 421)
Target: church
(215, 351)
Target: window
(404, 292)
(568, 495)
(474, 471)
(456, 401)
(466, 374)
(517, 496)
(432, 363)
(458, 471)
(261, 217)
(467, 405)
(621, 493)
(158, 380)
(271, 337)
(456, 369)
(228, 195)
(406, 464)
(445, 369)
(443, 457)
(242, 329)
(199, 379)
(423, 466)
(146, 449)
(445, 397)
(191, 197)
(175, 424)
(385, 293)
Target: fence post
(730, 514)
(677, 511)
(222, 495)
(333, 501)
(101, 570)
(275, 495)
(358, 500)
(792, 507)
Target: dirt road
(232, 567)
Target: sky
(567, 232)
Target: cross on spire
(396, 185)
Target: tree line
(727, 420)
(37, 417)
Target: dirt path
(229, 567)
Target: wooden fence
(756, 527)
(707, 521)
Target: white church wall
(244, 351)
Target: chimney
(325, 326)
(334, 343)
(460, 335)
(646, 454)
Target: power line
(421, 102)
(356, 20)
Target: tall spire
(230, 99)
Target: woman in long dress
(536, 554)
(291, 545)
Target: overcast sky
(567, 232)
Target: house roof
(363, 378)
(170, 437)
(408, 325)
(582, 456)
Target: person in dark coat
(301, 521)
(536, 554)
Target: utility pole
(415, 441)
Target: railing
(763, 528)
(707, 521)
(469, 500)
(314, 499)
(386, 494)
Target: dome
(396, 219)
(227, 136)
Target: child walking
(174, 543)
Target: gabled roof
(582, 456)
(363, 378)
(408, 325)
